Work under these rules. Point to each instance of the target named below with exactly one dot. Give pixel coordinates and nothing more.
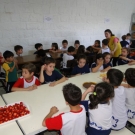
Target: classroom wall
(27, 22)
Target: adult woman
(114, 45)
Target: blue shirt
(124, 43)
(54, 77)
(123, 62)
(107, 65)
(78, 70)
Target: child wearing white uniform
(70, 123)
(130, 92)
(99, 108)
(119, 115)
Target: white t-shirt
(119, 117)
(107, 49)
(100, 118)
(66, 57)
(130, 102)
(93, 65)
(70, 123)
(63, 49)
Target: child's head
(106, 57)
(128, 36)
(114, 77)
(54, 46)
(99, 58)
(72, 94)
(38, 46)
(103, 92)
(64, 43)
(28, 70)
(97, 43)
(105, 42)
(8, 56)
(82, 59)
(81, 50)
(123, 37)
(50, 64)
(130, 76)
(71, 50)
(18, 49)
(77, 44)
(125, 52)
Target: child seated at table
(49, 75)
(96, 47)
(99, 108)
(68, 56)
(38, 46)
(64, 47)
(72, 122)
(18, 50)
(119, 111)
(124, 43)
(28, 81)
(10, 68)
(82, 67)
(105, 47)
(76, 44)
(81, 50)
(54, 48)
(130, 92)
(124, 58)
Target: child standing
(105, 47)
(49, 75)
(10, 67)
(28, 81)
(99, 108)
(119, 115)
(124, 58)
(54, 48)
(69, 123)
(82, 67)
(38, 46)
(130, 92)
(19, 50)
(64, 47)
(68, 56)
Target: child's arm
(106, 69)
(97, 48)
(89, 90)
(95, 69)
(41, 77)
(124, 85)
(7, 68)
(53, 110)
(100, 51)
(124, 58)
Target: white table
(11, 128)
(42, 99)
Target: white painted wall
(25, 22)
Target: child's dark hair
(7, 54)
(38, 45)
(105, 42)
(128, 51)
(98, 41)
(64, 41)
(30, 67)
(17, 48)
(77, 42)
(101, 95)
(123, 37)
(72, 94)
(55, 45)
(115, 77)
(81, 50)
(99, 55)
(128, 34)
(130, 76)
(81, 56)
(71, 49)
(49, 60)
(105, 54)
(109, 31)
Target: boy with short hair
(128, 38)
(10, 67)
(64, 47)
(69, 123)
(124, 43)
(76, 44)
(105, 47)
(19, 50)
(38, 46)
(49, 75)
(28, 81)
(68, 56)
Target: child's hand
(52, 84)
(43, 67)
(34, 87)
(101, 62)
(104, 79)
(91, 88)
(102, 71)
(54, 110)
(78, 74)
